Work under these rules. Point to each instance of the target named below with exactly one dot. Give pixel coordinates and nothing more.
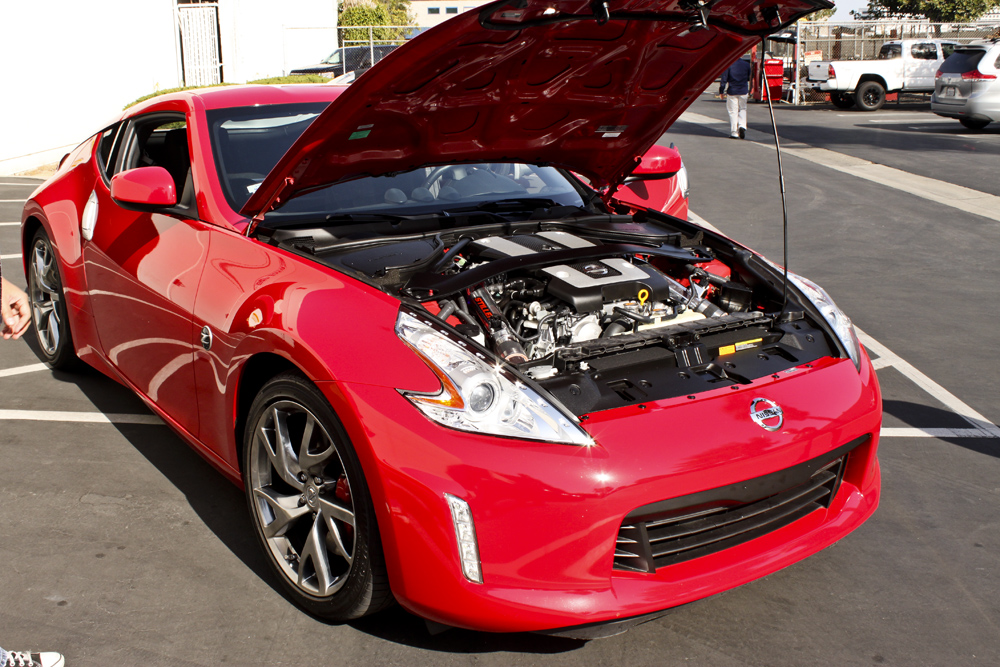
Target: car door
(921, 65)
(143, 269)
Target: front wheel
(311, 509)
(973, 124)
(48, 305)
(870, 96)
(841, 100)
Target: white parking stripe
(955, 196)
(9, 224)
(12, 201)
(79, 417)
(910, 432)
(21, 370)
(930, 386)
(17, 256)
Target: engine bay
(599, 316)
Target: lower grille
(689, 527)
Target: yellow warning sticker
(737, 347)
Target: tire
(870, 96)
(311, 509)
(48, 305)
(973, 123)
(841, 100)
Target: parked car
(445, 370)
(903, 66)
(348, 59)
(966, 86)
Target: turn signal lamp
(465, 533)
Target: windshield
(890, 51)
(249, 141)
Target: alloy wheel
(46, 297)
(302, 498)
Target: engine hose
(614, 329)
(538, 332)
(447, 310)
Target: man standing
(738, 78)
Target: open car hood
(588, 86)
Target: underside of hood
(587, 86)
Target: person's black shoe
(743, 133)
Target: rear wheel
(973, 123)
(841, 100)
(870, 96)
(48, 305)
(310, 504)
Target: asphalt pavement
(120, 546)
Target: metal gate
(199, 26)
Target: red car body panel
(565, 504)
(142, 290)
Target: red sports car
(437, 326)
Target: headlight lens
(682, 181)
(480, 394)
(840, 322)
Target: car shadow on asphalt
(924, 416)
(221, 506)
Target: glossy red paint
(547, 515)
(147, 186)
(659, 161)
(147, 286)
(503, 93)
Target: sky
(844, 8)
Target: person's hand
(721, 96)
(14, 311)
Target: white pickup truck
(907, 65)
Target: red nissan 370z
(443, 328)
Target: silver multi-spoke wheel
(303, 498)
(48, 307)
(45, 296)
(310, 503)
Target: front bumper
(547, 516)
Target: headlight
(840, 322)
(682, 181)
(478, 393)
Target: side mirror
(144, 189)
(658, 162)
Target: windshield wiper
(512, 205)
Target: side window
(433, 10)
(947, 50)
(159, 140)
(924, 51)
(997, 63)
(106, 151)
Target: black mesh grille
(692, 526)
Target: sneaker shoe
(743, 133)
(25, 659)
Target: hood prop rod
(781, 180)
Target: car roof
(222, 97)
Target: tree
(938, 11)
(377, 13)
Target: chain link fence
(858, 40)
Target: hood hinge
(275, 199)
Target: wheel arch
(877, 78)
(255, 373)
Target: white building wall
(264, 38)
(67, 67)
(429, 13)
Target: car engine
(599, 318)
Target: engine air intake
(681, 529)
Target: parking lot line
(21, 370)
(949, 194)
(17, 256)
(78, 417)
(9, 224)
(982, 427)
(12, 201)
